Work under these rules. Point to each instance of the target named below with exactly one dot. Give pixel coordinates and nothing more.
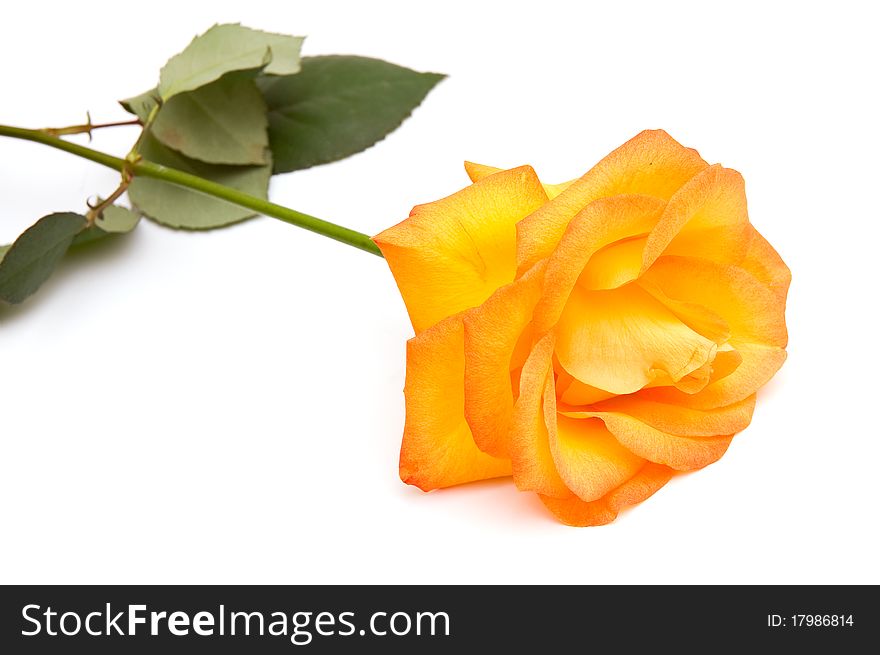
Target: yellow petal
(752, 311)
(491, 334)
(534, 416)
(726, 361)
(758, 364)
(438, 450)
(682, 421)
(554, 190)
(452, 254)
(573, 511)
(675, 451)
(765, 264)
(707, 218)
(699, 318)
(478, 171)
(615, 340)
(614, 265)
(588, 458)
(600, 224)
(693, 382)
(572, 391)
(652, 163)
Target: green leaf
(142, 105)
(221, 123)
(113, 220)
(178, 207)
(30, 260)
(4, 250)
(337, 106)
(118, 220)
(224, 49)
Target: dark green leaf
(221, 123)
(178, 207)
(337, 106)
(142, 105)
(224, 49)
(31, 259)
(89, 235)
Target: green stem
(142, 168)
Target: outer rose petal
(707, 217)
(652, 163)
(588, 458)
(573, 511)
(491, 333)
(764, 263)
(680, 453)
(452, 254)
(533, 418)
(478, 171)
(438, 450)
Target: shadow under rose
(495, 501)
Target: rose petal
(758, 364)
(707, 218)
(535, 410)
(491, 334)
(603, 222)
(452, 254)
(478, 171)
(614, 265)
(764, 263)
(572, 391)
(438, 450)
(753, 312)
(617, 340)
(723, 364)
(693, 382)
(588, 458)
(676, 451)
(682, 421)
(652, 163)
(699, 318)
(726, 362)
(573, 511)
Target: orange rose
(589, 338)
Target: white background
(227, 406)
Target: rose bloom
(590, 339)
